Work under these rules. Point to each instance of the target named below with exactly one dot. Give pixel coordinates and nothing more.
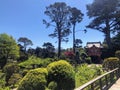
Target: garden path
(116, 85)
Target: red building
(94, 51)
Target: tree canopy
(25, 42)
(59, 18)
(104, 14)
(8, 49)
(76, 17)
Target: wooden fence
(102, 82)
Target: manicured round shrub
(63, 74)
(34, 80)
(111, 63)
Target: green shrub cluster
(117, 54)
(111, 63)
(52, 85)
(14, 80)
(35, 62)
(63, 74)
(9, 70)
(88, 60)
(85, 73)
(34, 80)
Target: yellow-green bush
(63, 74)
(34, 80)
(111, 63)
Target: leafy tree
(103, 14)
(38, 51)
(76, 17)
(25, 42)
(49, 50)
(23, 54)
(59, 15)
(8, 49)
(31, 51)
(49, 46)
(78, 42)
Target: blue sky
(23, 18)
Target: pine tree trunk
(74, 38)
(59, 42)
(108, 38)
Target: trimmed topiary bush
(63, 74)
(34, 80)
(111, 63)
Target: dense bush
(2, 79)
(31, 63)
(6, 88)
(24, 72)
(85, 73)
(88, 60)
(52, 85)
(111, 63)
(117, 54)
(63, 74)
(9, 69)
(14, 80)
(35, 62)
(69, 54)
(34, 80)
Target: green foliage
(2, 79)
(34, 62)
(9, 69)
(103, 13)
(34, 80)
(8, 49)
(88, 60)
(111, 63)
(24, 72)
(85, 73)
(25, 42)
(14, 80)
(52, 86)
(62, 73)
(62, 26)
(117, 54)
(6, 88)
